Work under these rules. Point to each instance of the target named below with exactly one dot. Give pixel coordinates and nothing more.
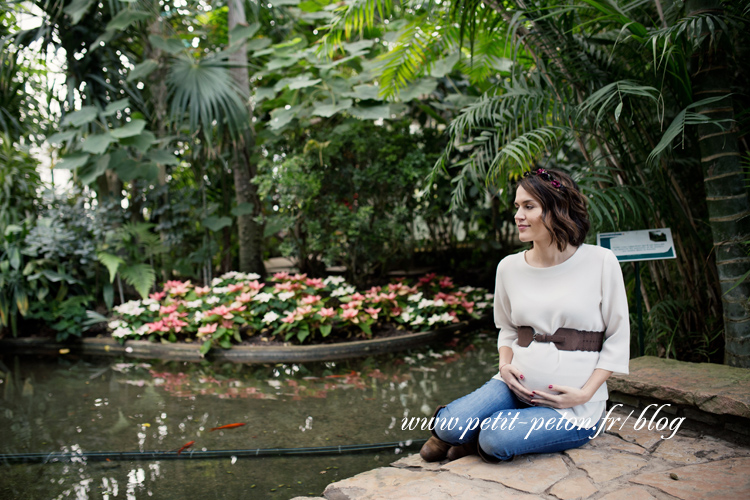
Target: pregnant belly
(545, 366)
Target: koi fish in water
(185, 446)
(228, 426)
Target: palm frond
(203, 91)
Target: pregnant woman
(562, 313)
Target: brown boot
(434, 450)
(456, 452)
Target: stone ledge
(712, 388)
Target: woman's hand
(512, 377)
(568, 397)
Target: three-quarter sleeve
(615, 352)
(507, 331)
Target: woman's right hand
(512, 376)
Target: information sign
(633, 246)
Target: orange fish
(228, 426)
(187, 445)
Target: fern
(111, 262)
(140, 276)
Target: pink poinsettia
(245, 297)
(311, 299)
(469, 306)
(351, 314)
(255, 285)
(157, 326)
(327, 312)
(236, 287)
(446, 282)
(303, 311)
(222, 311)
(168, 309)
(316, 283)
(207, 329)
(200, 291)
(289, 318)
(427, 278)
(281, 276)
(157, 296)
(373, 312)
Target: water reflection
(79, 405)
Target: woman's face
(529, 218)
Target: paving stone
(725, 479)
(573, 488)
(606, 441)
(631, 493)
(642, 436)
(416, 461)
(693, 450)
(603, 466)
(530, 473)
(390, 483)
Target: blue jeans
(503, 426)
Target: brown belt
(565, 339)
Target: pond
(80, 405)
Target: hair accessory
(544, 174)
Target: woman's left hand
(568, 397)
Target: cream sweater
(586, 292)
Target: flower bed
(293, 308)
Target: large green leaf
(163, 157)
(61, 137)
(125, 18)
(444, 66)
(142, 70)
(243, 209)
(72, 162)
(115, 106)
(282, 116)
(85, 115)
(263, 93)
(77, 9)
(297, 82)
(214, 223)
(140, 276)
(97, 144)
(372, 112)
(89, 174)
(126, 168)
(364, 92)
(328, 110)
(241, 33)
(111, 262)
(130, 129)
(142, 142)
(414, 91)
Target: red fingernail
(533, 393)
(521, 377)
(550, 387)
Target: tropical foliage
(615, 93)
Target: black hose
(15, 458)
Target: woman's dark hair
(564, 211)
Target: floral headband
(540, 172)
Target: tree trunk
(726, 194)
(243, 166)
